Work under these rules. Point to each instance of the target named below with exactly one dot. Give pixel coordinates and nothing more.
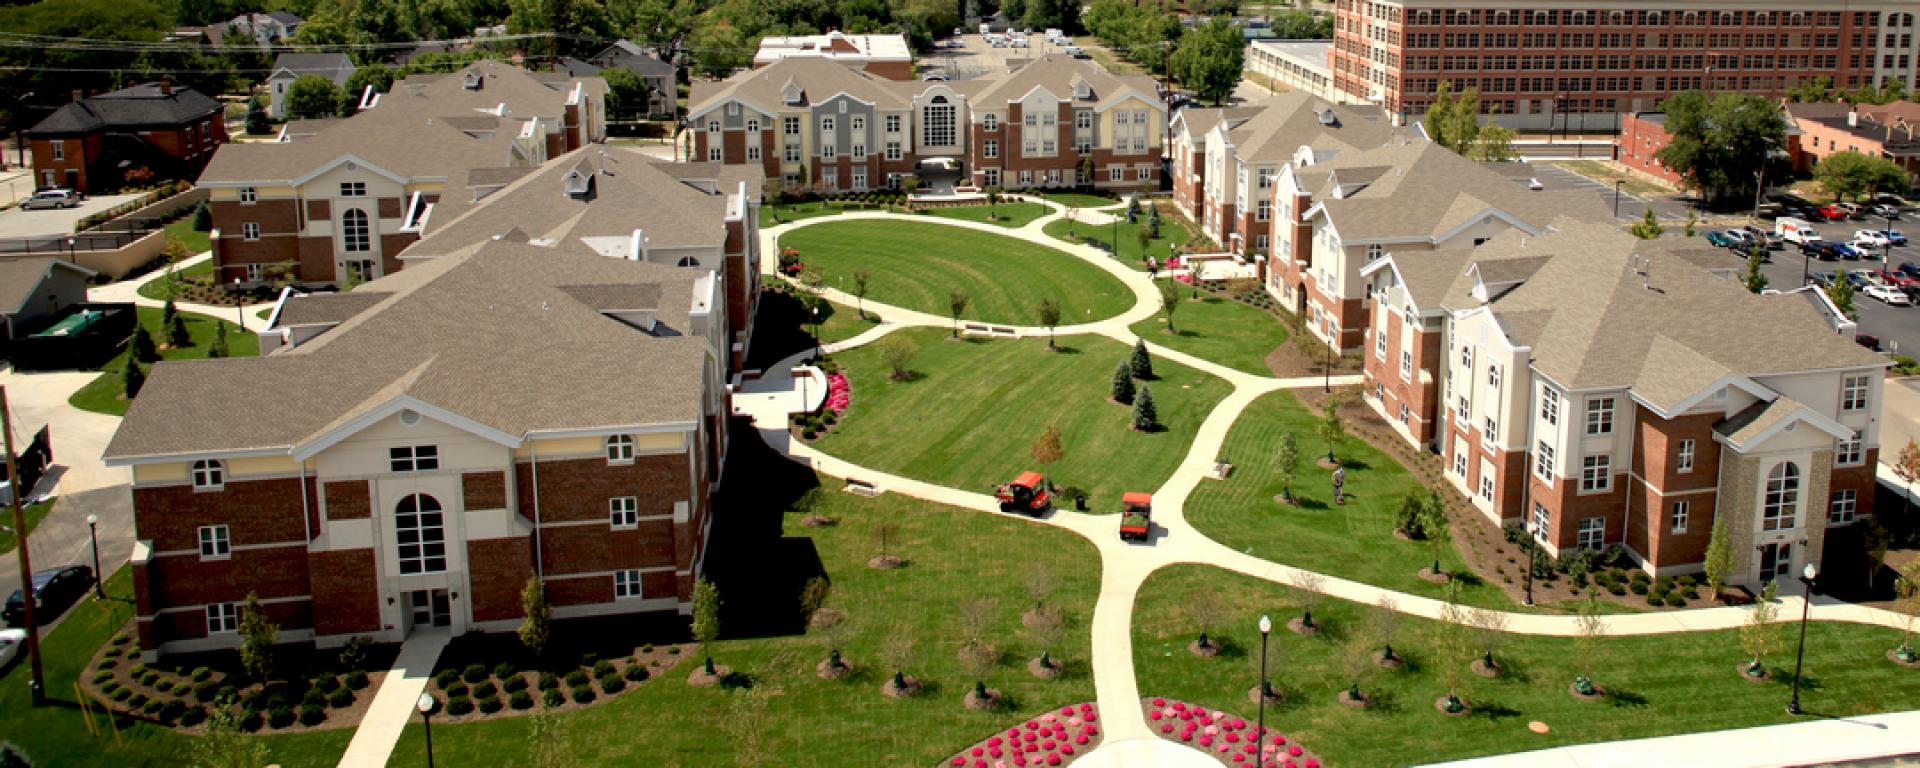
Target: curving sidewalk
(129, 291)
(1174, 541)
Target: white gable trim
(1126, 93)
(1803, 413)
(1738, 381)
(330, 438)
(343, 160)
(1496, 212)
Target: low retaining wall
(114, 263)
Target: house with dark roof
(265, 28)
(663, 94)
(335, 67)
(99, 143)
(1604, 390)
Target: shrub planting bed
(469, 688)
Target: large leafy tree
(626, 92)
(1139, 30)
(1852, 174)
(720, 49)
(1721, 141)
(379, 77)
(1209, 59)
(312, 96)
(1453, 119)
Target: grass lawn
(914, 265)
(1657, 685)
(772, 215)
(1012, 215)
(103, 394)
(1607, 172)
(57, 734)
(195, 241)
(34, 514)
(760, 558)
(970, 417)
(1112, 63)
(1081, 200)
(156, 288)
(1353, 541)
(1172, 236)
(1219, 329)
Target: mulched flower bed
(179, 694)
(1229, 738)
(816, 424)
(477, 692)
(1056, 738)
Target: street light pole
(1526, 525)
(1807, 576)
(1260, 732)
(36, 681)
(1886, 245)
(426, 705)
(93, 534)
(1616, 197)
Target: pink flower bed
(1229, 738)
(837, 393)
(1053, 739)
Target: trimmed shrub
(327, 683)
(521, 700)
(602, 668)
(251, 721)
(102, 676)
(504, 670)
(636, 672)
(1638, 587)
(514, 684)
(583, 695)
(357, 679)
(110, 687)
(112, 659)
(1639, 576)
(153, 707)
(149, 678)
(312, 715)
(553, 697)
(280, 717)
(341, 698)
(459, 705)
(612, 684)
(1691, 593)
(576, 678)
(485, 690)
(548, 682)
(313, 698)
(489, 705)
(173, 710)
(139, 700)
(473, 673)
(122, 694)
(446, 677)
(458, 689)
(1616, 589)
(200, 674)
(138, 670)
(1656, 600)
(1676, 600)
(193, 716)
(122, 639)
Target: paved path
(84, 484)
(1125, 566)
(1815, 741)
(394, 704)
(129, 291)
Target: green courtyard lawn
(195, 241)
(1081, 200)
(56, 734)
(916, 264)
(156, 288)
(1012, 215)
(1353, 541)
(1219, 329)
(969, 418)
(34, 513)
(783, 326)
(760, 558)
(775, 215)
(1656, 685)
(1173, 234)
(103, 394)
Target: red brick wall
(349, 500)
(256, 511)
(188, 580)
(500, 569)
(484, 490)
(1639, 141)
(189, 625)
(582, 591)
(1567, 507)
(346, 592)
(578, 489)
(594, 548)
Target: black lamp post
(426, 704)
(1886, 245)
(1526, 525)
(1807, 575)
(816, 330)
(1266, 689)
(1616, 197)
(93, 533)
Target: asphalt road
(1897, 327)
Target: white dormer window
(990, 122)
(1081, 90)
(753, 126)
(620, 449)
(713, 126)
(353, 189)
(209, 475)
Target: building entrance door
(430, 608)
(1776, 559)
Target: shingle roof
(1291, 120)
(494, 334)
(324, 308)
(336, 67)
(127, 108)
(1058, 73)
(1197, 121)
(1421, 189)
(818, 80)
(19, 278)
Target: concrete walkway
(129, 291)
(1827, 739)
(1125, 566)
(394, 704)
(84, 484)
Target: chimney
(77, 95)
(166, 85)
(1853, 118)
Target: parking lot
(975, 58)
(1898, 327)
(15, 222)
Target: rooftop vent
(1327, 117)
(1643, 267)
(579, 185)
(472, 80)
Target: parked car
(51, 198)
(1894, 236)
(1867, 340)
(1535, 185)
(11, 641)
(1908, 268)
(1894, 278)
(1822, 250)
(1822, 279)
(1871, 238)
(1888, 295)
(1740, 237)
(1886, 211)
(1831, 212)
(1796, 230)
(54, 590)
(1861, 280)
(1772, 240)
(1853, 210)
(1720, 240)
(1848, 252)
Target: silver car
(51, 198)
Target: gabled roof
(1057, 73)
(336, 67)
(818, 81)
(1419, 190)
(1754, 424)
(21, 278)
(1295, 119)
(497, 338)
(1195, 122)
(151, 105)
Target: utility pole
(37, 681)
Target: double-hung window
(1683, 462)
(623, 511)
(1592, 534)
(1596, 473)
(1682, 510)
(413, 458)
(216, 542)
(1543, 461)
(1853, 393)
(353, 189)
(1600, 416)
(250, 230)
(1549, 405)
(1842, 509)
(209, 475)
(1782, 503)
(626, 584)
(620, 449)
(1848, 452)
(249, 195)
(223, 619)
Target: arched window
(1783, 497)
(938, 118)
(354, 232)
(619, 449)
(209, 474)
(688, 261)
(420, 530)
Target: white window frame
(1542, 523)
(1592, 534)
(422, 561)
(753, 152)
(619, 448)
(1780, 499)
(893, 150)
(1549, 405)
(353, 189)
(222, 618)
(216, 542)
(250, 230)
(1543, 465)
(1490, 432)
(249, 195)
(413, 458)
(1843, 508)
(623, 512)
(713, 154)
(209, 475)
(626, 584)
(1683, 463)
(990, 122)
(990, 148)
(1680, 516)
(1596, 473)
(59, 149)
(1600, 416)
(1853, 392)
(1851, 452)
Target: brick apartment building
(440, 435)
(1607, 390)
(91, 144)
(1187, 151)
(336, 201)
(822, 126)
(1642, 136)
(1876, 130)
(1556, 66)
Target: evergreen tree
(536, 626)
(132, 379)
(257, 636)
(1146, 418)
(141, 346)
(257, 122)
(1755, 280)
(219, 346)
(202, 218)
(1648, 228)
(167, 313)
(1841, 293)
(1285, 462)
(1141, 364)
(1719, 559)
(1123, 383)
(177, 335)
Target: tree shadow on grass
(1491, 710)
(1623, 697)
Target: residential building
(133, 135)
(825, 127)
(36, 289)
(1244, 159)
(288, 67)
(1606, 390)
(883, 56)
(1642, 136)
(508, 411)
(1885, 131)
(1542, 65)
(264, 28)
(1187, 150)
(660, 76)
(1335, 217)
(336, 202)
(1293, 65)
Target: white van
(1797, 231)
